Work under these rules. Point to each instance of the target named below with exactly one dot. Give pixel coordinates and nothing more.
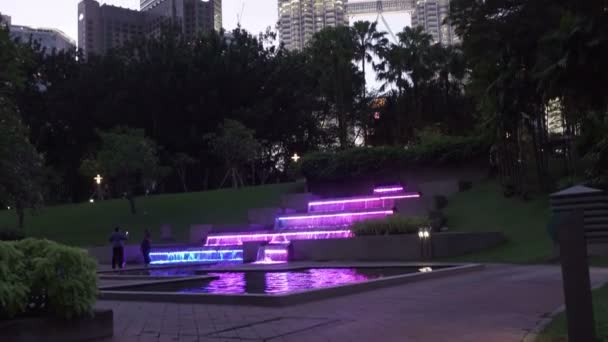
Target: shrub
(67, 275)
(437, 220)
(394, 224)
(464, 185)
(440, 202)
(13, 288)
(376, 161)
(11, 235)
(53, 278)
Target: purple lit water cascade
(324, 219)
(273, 254)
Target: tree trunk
(20, 215)
(363, 67)
(235, 182)
(131, 200)
(182, 177)
(206, 179)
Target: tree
(21, 166)
(181, 162)
(236, 146)
(368, 42)
(332, 51)
(128, 158)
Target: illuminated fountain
(358, 203)
(334, 220)
(388, 189)
(195, 256)
(324, 219)
(277, 237)
(273, 254)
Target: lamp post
(426, 246)
(98, 180)
(295, 157)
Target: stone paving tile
(498, 304)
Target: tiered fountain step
(273, 253)
(334, 220)
(214, 240)
(195, 255)
(380, 201)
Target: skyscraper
(432, 15)
(49, 39)
(5, 20)
(104, 27)
(300, 19)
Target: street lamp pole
(99, 191)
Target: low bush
(58, 280)
(10, 234)
(13, 287)
(437, 220)
(464, 185)
(394, 224)
(376, 161)
(440, 202)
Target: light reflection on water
(288, 281)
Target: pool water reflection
(286, 281)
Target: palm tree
(331, 52)
(368, 42)
(450, 69)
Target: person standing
(146, 245)
(117, 240)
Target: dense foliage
(374, 161)
(533, 88)
(394, 224)
(178, 91)
(539, 84)
(43, 277)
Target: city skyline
(62, 14)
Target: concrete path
(500, 303)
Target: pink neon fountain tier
(276, 237)
(359, 203)
(273, 254)
(388, 189)
(328, 220)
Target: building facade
(5, 20)
(300, 19)
(104, 27)
(431, 15)
(49, 39)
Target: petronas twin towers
(300, 19)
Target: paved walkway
(500, 303)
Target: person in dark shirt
(117, 240)
(146, 245)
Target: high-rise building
(5, 20)
(103, 27)
(432, 16)
(49, 39)
(300, 19)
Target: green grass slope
(557, 330)
(89, 224)
(524, 223)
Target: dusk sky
(257, 15)
(61, 14)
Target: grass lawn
(88, 224)
(558, 331)
(524, 223)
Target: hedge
(374, 161)
(44, 277)
(394, 224)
